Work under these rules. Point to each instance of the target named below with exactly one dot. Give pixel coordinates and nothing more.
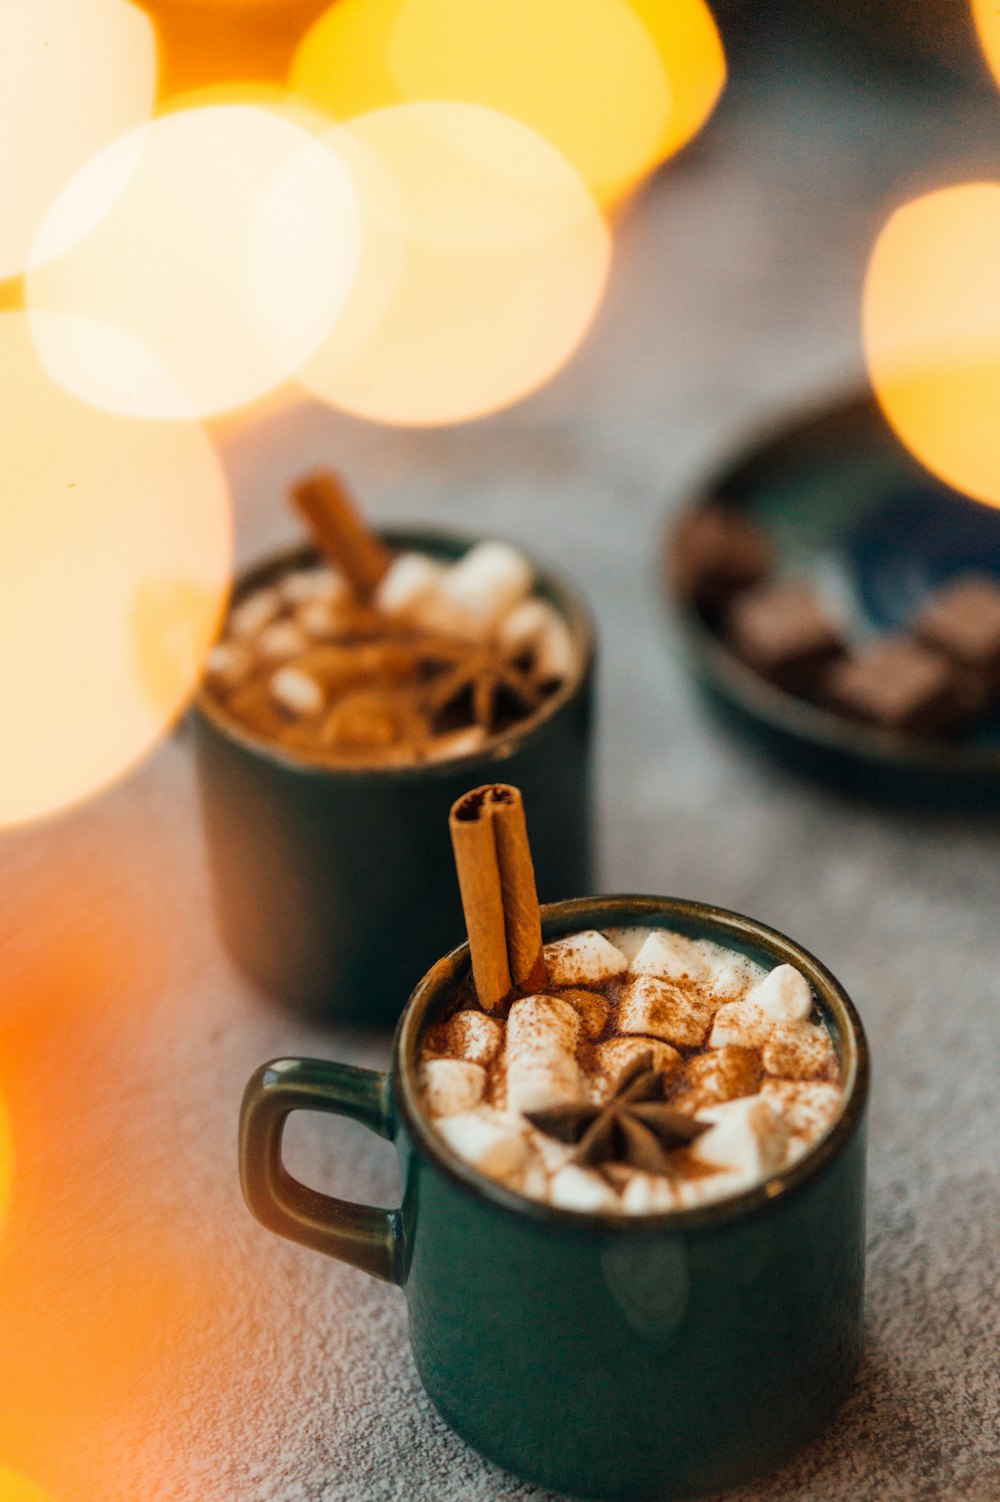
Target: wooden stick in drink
(497, 882)
(340, 531)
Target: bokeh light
(484, 262)
(206, 41)
(220, 246)
(6, 1165)
(614, 85)
(14, 1487)
(931, 327)
(986, 14)
(113, 577)
(74, 74)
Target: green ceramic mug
(334, 887)
(606, 1356)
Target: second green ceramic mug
(607, 1356)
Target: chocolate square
(784, 633)
(898, 684)
(715, 552)
(963, 622)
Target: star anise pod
(483, 673)
(634, 1126)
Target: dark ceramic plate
(851, 511)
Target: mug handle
(359, 1234)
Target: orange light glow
(113, 576)
(209, 254)
(17, 1488)
(73, 75)
(484, 262)
(205, 41)
(6, 1171)
(614, 85)
(931, 326)
(986, 14)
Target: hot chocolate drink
(649, 1072)
(367, 657)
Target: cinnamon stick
(522, 918)
(472, 838)
(340, 531)
(497, 882)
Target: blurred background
(243, 238)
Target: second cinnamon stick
(340, 531)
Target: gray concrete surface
(237, 1368)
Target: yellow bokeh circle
(74, 74)
(484, 262)
(931, 329)
(113, 577)
(614, 85)
(14, 1487)
(201, 259)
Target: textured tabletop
(156, 1345)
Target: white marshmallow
(491, 1141)
(254, 613)
(742, 1023)
(616, 1054)
(648, 1193)
(583, 959)
(296, 691)
(410, 579)
(309, 584)
(457, 743)
(807, 1107)
(474, 1036)
(552, 1153)
(451, 1085)
(318, 618)
(535, 625)
(490, 580)
(748, 1136)
(575, 1188)
(542, 1071)
(799, 1051)
(591, 1007)
(280, 641)
(783, 995)
(670, 956)
(662, 1010)
(227, 664)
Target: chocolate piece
(963, 622)
(634, 1126)
(783, 632)
(900, 685)
(715, 552)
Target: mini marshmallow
(411, 578)
(491, 1141)
(575, 1188)
(474, 1036)
(536, 626)
(583, 959)
(487, 582)
(458, 743)
(280, 641)
(807, 1108)
(649, 1193)
(228, 664)
(308, 584)
(670, 956)
(730, 975)
(591, 1007)
(783, 995)
(296, 691)
(711, 1078)
(747, 1136)
(616, 1054)
(451, 1085)
(318, 619)
(662, 1010)
(799, 1051)
(542, 1071)
(254, 613)
(552, 1153)
(741, 1023)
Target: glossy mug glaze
(335, 886)
(603, 1355)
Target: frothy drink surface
(655, 1073)
(431, 664)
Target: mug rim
(559, 918)
(563, 595)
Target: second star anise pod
(634, 1126)
(482, 673)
